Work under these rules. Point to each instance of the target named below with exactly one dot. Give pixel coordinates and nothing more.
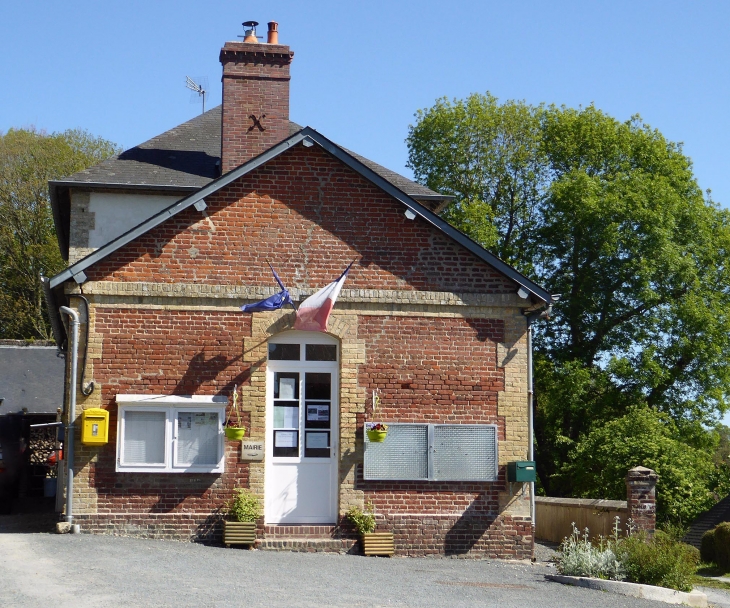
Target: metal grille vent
(464, 452)
(403, 455)
(436, 452)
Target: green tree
(688, 478)
(490, 158)
(609, 215)
(28, 247)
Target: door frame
(302, 367)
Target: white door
(302, 408)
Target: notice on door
(287, 388)
(285, 439)
(318, 413)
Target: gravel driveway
(85, 570)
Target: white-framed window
(170, 433)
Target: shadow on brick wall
(470, 528)
(210, 530)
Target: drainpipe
(544, 314)
(70, 429)
(530, 421)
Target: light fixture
(410, 214)
(307, 143)
(200, 205)
(523, 293)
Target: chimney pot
(273, 34)
(249, 30)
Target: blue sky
(362, 69)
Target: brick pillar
(641, 498)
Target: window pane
(197, 438)
(317, 386)
(286, 385)
(144, 437)
(286, 416)
(284, 352)
(321, 352)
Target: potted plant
(239, 528)
(234, 430)
(377, 431)
(373, 543)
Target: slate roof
(181, 160)
(32, 378)
(188, 156)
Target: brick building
(167, 240)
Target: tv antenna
(199, 90)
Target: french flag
(314, 313)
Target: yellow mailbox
(94, 426)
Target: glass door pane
(286, 414)
(318, 417)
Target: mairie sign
(252, 450)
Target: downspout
(531, 318)
(530, 421)
(70, 429)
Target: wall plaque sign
(252, 451)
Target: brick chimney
(255, 97)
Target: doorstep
(306, 539)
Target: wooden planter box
(239, 533)
(378, 543)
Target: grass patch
(704, 574)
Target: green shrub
(364, 521)
(244, 506)
(707, 547)
(658, 561)
(716, 546)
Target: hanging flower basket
(377, 432)
(234, 430)
(235, 433)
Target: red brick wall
(439, 370)
(165, 352)
(255, 83)
(309, 215)
(433, 370)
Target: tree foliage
(687, 483)
(609, 215)
(28, 247)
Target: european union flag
(275, 302)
